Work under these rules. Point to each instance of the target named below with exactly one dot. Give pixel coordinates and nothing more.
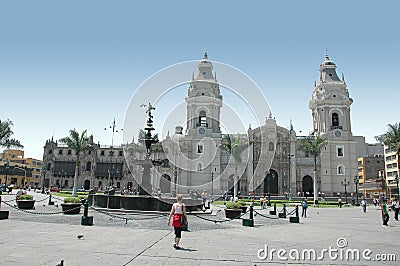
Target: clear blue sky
(75, 64)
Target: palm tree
(235, 146)
(78, 143)
(5, 135)
(313, 145)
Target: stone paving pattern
(30, 239)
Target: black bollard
(295, 219)
(283, 214)
(3, 214)
(274, 211)
(249, 222)
(86, 219)
(50, 202)
(86, 208)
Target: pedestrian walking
(364, 205)
(340, 202)
(178, 212)
(304, 206)
(385, 212)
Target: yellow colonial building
(19, 171)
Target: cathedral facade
(192, 157)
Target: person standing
(385, 212)
(340, 202)
(178, 211)
(396, 209)
(304, 206)
(364, 205)
(204, 198)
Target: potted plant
(71, 205)
(25, 201)
(233, 210)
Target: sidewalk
(34, 241)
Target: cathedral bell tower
(204, 100)
(330, 106)
(203, 132)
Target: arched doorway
(86, 185)
(307, 186)
(271, 180)
(165, 183)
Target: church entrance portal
(307, 186)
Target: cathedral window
(203, 119)
(199, 148)
(199, 167)
(340, 151)
(69, 152)
(340, 169)
(88, 166)
(271, 146)
(335, 120)
(60, 152)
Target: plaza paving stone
(31, 239)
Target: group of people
(386, 206)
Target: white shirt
(178, 208)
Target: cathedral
(273, 161)
(192, 159)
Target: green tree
(5, 135)
(78, 143)
(235, 145)
(313, 145)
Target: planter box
(26, 204)
(71, 208)
(244, 208)
(233, 213)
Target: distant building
(102, 167)
(371, 177)
(391, 170)
(19, 171)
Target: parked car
(55, 189)
(80, 189)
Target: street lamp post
(290, 185)
(345, 183)
(356, 182)
(44, 170)
(268, 177)
(212, 184)
(397, 183)
(6, 168)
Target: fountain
(144, 201)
